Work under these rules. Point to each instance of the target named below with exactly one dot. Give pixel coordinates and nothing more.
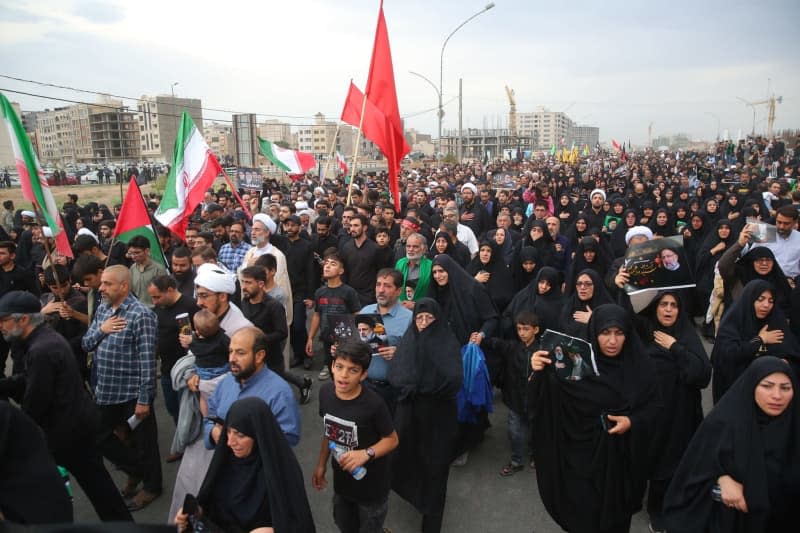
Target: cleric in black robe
(262, 489)
(742, 337)
(584, 299)
(542, 296)
(31, 489)
(683, 370)
(591, 479)
(427, 371)
(751, 442)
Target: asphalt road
(478, 499)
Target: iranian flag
(340, 160)
(193, 171)
(31, 178)
(290, 161)
(616, 145)
(134, 220)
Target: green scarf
(421, 290)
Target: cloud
(100, 12)
(13, 15)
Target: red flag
(616, 145)
(134, 220)
(381, 91)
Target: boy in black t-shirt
(357, 422)
(333, 298)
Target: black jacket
(50, 389)
(302, 274)
(270, 316)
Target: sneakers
(305, 390)
(324, 373)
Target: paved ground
(478, 499)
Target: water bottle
(358, 473)
(64, 473)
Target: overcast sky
(606, 64)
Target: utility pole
(460, 148)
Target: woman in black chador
(590, 436)
(753, 327)
(741, 472)
(254, 479)
(427, 371)
(683, 370)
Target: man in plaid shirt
(232, 253)
(123, 337)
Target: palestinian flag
(290, 161)
(134, 220)
(34, 184)
(193, 171)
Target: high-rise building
(63, 135)
(114, 132)
(276, 131)
(219, 138)
(317, 138)
(245, 140)
(544, 128)
(159, 118)
(584, 135)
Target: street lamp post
(488, 6)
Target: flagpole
(355, 153)
(330, 152)
(236, 195)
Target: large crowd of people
(230, 321)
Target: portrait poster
(761, 232)
(656, 265)
(572, 358)
(370, 329)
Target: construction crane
(771, 112)
(512, 113)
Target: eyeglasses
(584, 284)
(205, 295)
(425, 317)
(763, 260)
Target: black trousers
(298, 333)
(85, 464)
(141, 458)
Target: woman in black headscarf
(565, 210)
(683, 370)
(525, 267)
(694, 234)
(443, 244)
(542, 296)
(661, 224)
(589, 254)
(711, 207)
(489, 269)
(254, 479)
(759, 263)
(466, 306)
(753, 327)
(503, 238)
(589, 436)
(714, 245)
(537, 236)
(426, 369)
(746, 454)
(578, 230)
(618, 244)
(588, 294)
